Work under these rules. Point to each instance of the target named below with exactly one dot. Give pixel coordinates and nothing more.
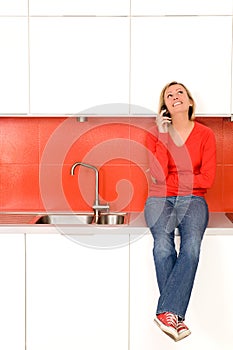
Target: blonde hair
(191, 111)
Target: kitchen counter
(24, 222)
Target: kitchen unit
(69, 290)
(65, 287)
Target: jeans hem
(172, 311)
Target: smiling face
(177, 99)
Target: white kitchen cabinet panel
(87, 7)
(78, 63)
(77, 297)
(14, 87)
(14, 7)
(210, 312)
(12, 292)
(181, 7)
(143, 295)
(192, 50)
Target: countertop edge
(86, 230)
(218, 225)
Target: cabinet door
(79, 8)
(78, 63)
(12, 292)
(77, 297)
(181, 7)
(210, 311)
(194, 50)
(14, 8)
(143, 295)
(14, 87)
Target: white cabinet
(12, 292)
(87, 7)
(143, 295)
(181, 7)
(14, 7)
(78, 63)
(210, 312)
(14, 87)
(192, 50)
(77, 297)
(211, 308)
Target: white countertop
(219, 224)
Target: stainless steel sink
(113, 219)
(63, 219)
(83, 219)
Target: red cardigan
(182, 170)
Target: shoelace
(172, 319)
(181, 326)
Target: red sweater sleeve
(204, 176)
(158, 155)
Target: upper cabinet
(14, 8)
(193, 50)
(181, 7)
(78, 63)
(14, 87)
(113, 57)
(80, 8)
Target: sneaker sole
(183, 335)
(172, 333)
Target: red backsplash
(37, 154)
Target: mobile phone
(165, 113)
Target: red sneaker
(182, 330)
(168, 323)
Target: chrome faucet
(97, 207)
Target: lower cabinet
(210, 312)
(143, 296)
(77, 297)
(80, 297)
(12, 292)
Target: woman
(182, 157)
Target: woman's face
(176, 99)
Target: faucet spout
(96, 206)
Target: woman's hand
(163, 122)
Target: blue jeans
(176, 271)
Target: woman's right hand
(163, 122)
